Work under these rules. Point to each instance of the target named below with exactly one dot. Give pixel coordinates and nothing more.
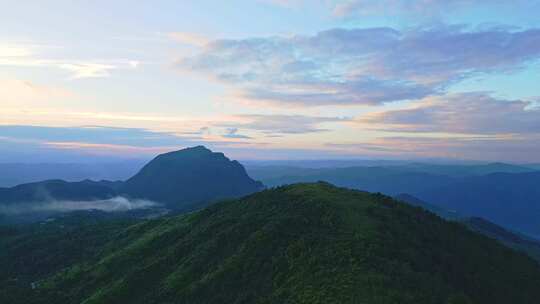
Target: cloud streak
(486, 148)
(429, 7)
(476, 113)
(366, 66)
(115, 204)
(282, 124)
(25, 56)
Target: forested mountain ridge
(510, 198)
(305, 243)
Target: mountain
(305, 243)
(511, 200)
(188, 176)
(57, 190)
(412, 200)
(511, 239)
(466, 170)
(284, 174)
(180, 180)
(388, 180)
(23, 173)
(532, 166)
(34, 251)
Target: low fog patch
(115, 204)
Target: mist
(115, 204)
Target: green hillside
(304, 243)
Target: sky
(270, 79)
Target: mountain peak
(304, 243)
(190, 175)
(190, 151)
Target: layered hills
(507, 195)
(178, 180)
(304, 243)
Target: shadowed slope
(191, 175)
(305, 243)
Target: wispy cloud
(16, 93)
(422, 8)
(487, 148)
(362, 66)
(476, 113)
(284, 3)
(27, 55)
(115, 204)
(282, 124)
(193, 39)
(95, 136)
(233, 133)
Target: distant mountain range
(511, 239)
(275, 169)
(507, 195)
(180, 180)
(304, 243)
(508, 199)
(190, 178)
(21, 173)
(14, 174)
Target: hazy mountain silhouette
(58, 190)
(388, 180)
(511, 239)
(508, 199)
(23, 173)
(183, 179)
(191, 175)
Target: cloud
(17, 92)
(486, 148)
(95, 135)
(19, 143)
(466, 113)
(349, 8)
(87, 70)
(284, 3)
(27, 56)
(115, 204)
(189, 38)
(233, 133)
(282, 124)
(366, 66)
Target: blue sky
(270, 79)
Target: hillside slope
(511, 200)
(511, 239)
(305, 243)
(387, 180)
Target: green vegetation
(510, 239)
(32, 252)
(304, 243)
